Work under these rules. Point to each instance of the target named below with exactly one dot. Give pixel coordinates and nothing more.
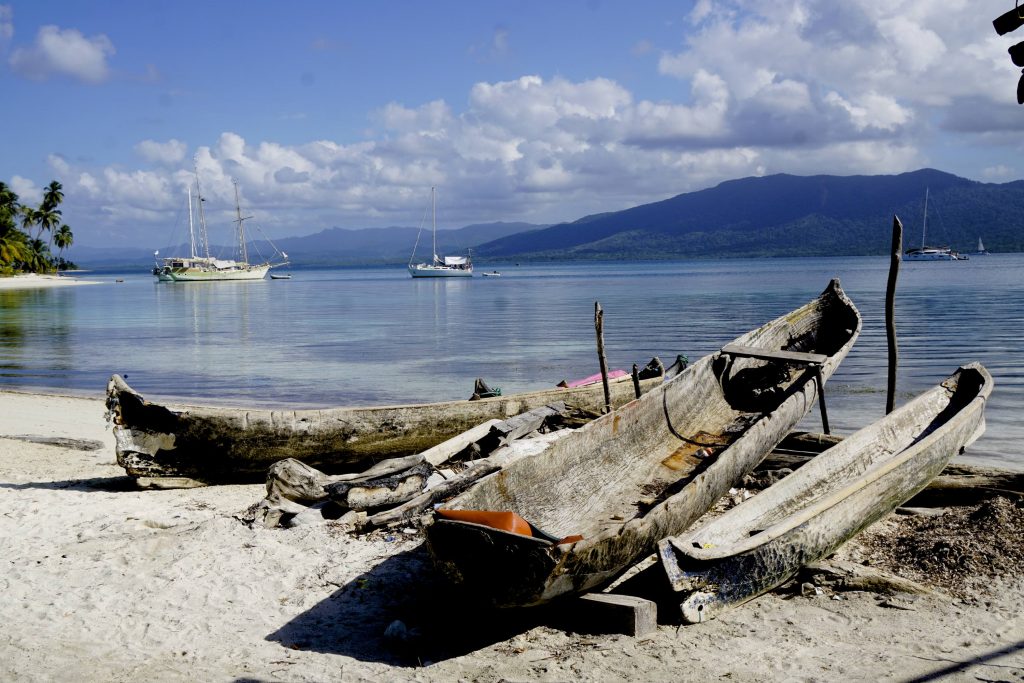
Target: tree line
(23, 248)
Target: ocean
(361, 336)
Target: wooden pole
(636, 381)
(890, 311)
(599, 329)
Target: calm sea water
(376, 336)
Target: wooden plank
(765, 354)
(446, 449)
(614, 613)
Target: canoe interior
(623, 464)
(646, 471)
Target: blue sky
(344, 114)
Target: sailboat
(449, 266)
(205, 268)
(926, 253)
(982, 251)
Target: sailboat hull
(930, 254)
(238, 272)
(427, 270)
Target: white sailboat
(926, 253)
(982, 251)
(449, 266)
(205, 268)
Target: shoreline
(111, 581)
(37, 281)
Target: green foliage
(20, 250)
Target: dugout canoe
(763, 542)
(599, 499)
(189, 445)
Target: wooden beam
(614, 613)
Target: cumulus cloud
(800, 87)
(170, 152)
(64, 52)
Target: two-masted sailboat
(448, 266)
(205, 268)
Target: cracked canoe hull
(633, 477)
(238, 445)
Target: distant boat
(449, 266)
(982, 251)
(493, 273)
(205, 268)
(926, 253)
(280, 276)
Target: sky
(345, 114)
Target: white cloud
(999, 173)
(170, 152)
(59, 164)
(28, 192)
(64, 52)
(6, 25)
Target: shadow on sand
(437, 623)
(104, 484)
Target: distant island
(771, 216)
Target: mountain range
(777, 215)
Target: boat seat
(797, 357)
(814, 361)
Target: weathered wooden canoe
(234, 445)
(647, 470)
(761, 543)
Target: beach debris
(903, 601)
(397, 490)
(840, 575)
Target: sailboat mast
(191, 230)
(202, 219)
(924, 224)
(241, 228)
(433, 221)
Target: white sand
(34, 281)
(101, 582)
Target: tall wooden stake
(890, 311)
(599, 329)
(636, 381)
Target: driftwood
(293, 485)
(463, 480)
(840, 575)
(447, 489)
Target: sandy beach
(105, 582)
(36, 281)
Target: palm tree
(63, 239)
(14, 249)
(40, 260)
(53, 196)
